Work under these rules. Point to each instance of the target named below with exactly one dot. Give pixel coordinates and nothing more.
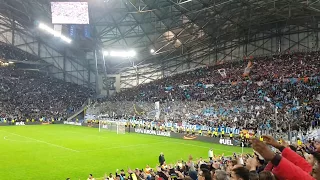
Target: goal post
(114, 126)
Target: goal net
(114, 126)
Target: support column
(137, 74)
(279, 37)
(97, 73)
(316, 35)
(89, 73)
(106, 82)
(64, 65)
(13, 32)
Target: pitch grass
(60, 151)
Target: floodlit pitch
(60, 151)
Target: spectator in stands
(266, 175)
(27, 95)
(91, 177)
(289, 166)
(220, 175)
(204, 174)
(286, 83)
(240, 173)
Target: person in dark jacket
(161, 159)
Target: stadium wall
(169, 134)
(22, 123)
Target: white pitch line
(7, 139)
(44, 142)
(117, 147)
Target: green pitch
(60, 151)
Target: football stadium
(159, 89)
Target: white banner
(157, 105)
(183, 86)
(152, 132)
(104, 126)
(226, 142)
(157, 108)
(72, 123)
(313, 134)
(20, 124)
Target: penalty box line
(44, 142)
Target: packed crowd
(196, 86)
(265, 92)
(34, 95)
(271, 160)
(9, 52)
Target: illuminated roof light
(54, 33)
(106, 53)
(118, 54)
(131, 53)
(68, 40)
(124, 54)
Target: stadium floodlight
(106, 53)
(66, 39)
(118, 54)
(54, 33)
(152, 51)
(132, 53)
(10, 62)
(49, 30)
(123, 54)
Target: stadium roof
(179, 31)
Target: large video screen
(70, 12)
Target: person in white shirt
(241, 161)
(91, 177)
(210, 154)
(200, 161)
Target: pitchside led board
(70, 12)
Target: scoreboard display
(70, 12)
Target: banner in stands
(23, 123)
(72, 123)
(312, 134)
(228, 142)
(152, 132)
(20, 124)
(184, 126)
